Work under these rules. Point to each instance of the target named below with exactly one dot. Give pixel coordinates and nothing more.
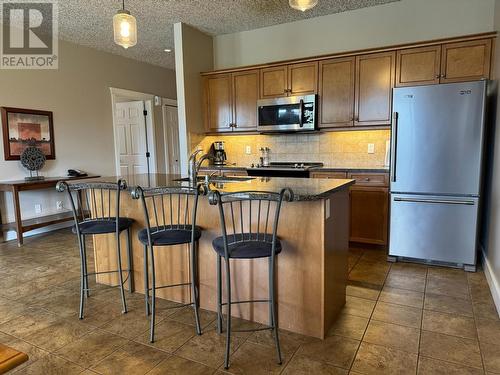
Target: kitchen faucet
(194, 165)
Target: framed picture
(26, 127)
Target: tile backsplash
(344, 149)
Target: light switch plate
(38, 208)
(371, 148)
(248, 150)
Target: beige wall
(393, 23)
(194, 54)
(78, 94)
(492, 243)
(344, 149)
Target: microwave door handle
(301, 113)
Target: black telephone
(76, 173)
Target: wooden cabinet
(274, 82)
(369, 199)
(373, 94)
(230, 101)
(339, 175)
(418, 66)
(369, 214)
(369, 203)
(466, 61)
(217, 108)
(336, 92)
(287, 80)
(303, 78)
(245, 94)
(446, 63)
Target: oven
(290, 114)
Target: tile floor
(399, 319)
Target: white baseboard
(493, 282)
(12, 235)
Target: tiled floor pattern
(399, 319)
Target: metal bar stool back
(170, 215)
(249, 223)
(97, 211)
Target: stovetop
(301, 166)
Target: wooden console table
(22, 226)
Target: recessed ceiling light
(167, 50)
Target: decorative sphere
(32, 158)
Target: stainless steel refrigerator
(436, 163)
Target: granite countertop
(304, 189)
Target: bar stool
(93, 215)
(169, 221)
(247, 239)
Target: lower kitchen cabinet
(369, 203)
(369, 214)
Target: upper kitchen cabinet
(466, 61)
(418, 66)
(336, 92)
(274, 82)
(231, 101)
(451, 62)
(245, 95)
(287, 80)
(303, 78)
(217, 102)
(374, 83)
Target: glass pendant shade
(303, 5)
(125, 29)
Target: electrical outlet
(38, 208)
(248, 150)
(59, 205)
(371, 148)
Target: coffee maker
(218, 152)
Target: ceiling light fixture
(303, 5)
(167, 50)
(125, 28)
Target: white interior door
(171, 134)
(130, 128)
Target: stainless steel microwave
(290, 114)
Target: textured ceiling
(89, 22)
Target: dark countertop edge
(316, 169)
(352, 170)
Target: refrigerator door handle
(436, 201)
(394, 145)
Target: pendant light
(125, 28)
(303, 5)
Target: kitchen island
(311, 269)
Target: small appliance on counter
(218, 152)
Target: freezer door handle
(394, 145)
(435, 201)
